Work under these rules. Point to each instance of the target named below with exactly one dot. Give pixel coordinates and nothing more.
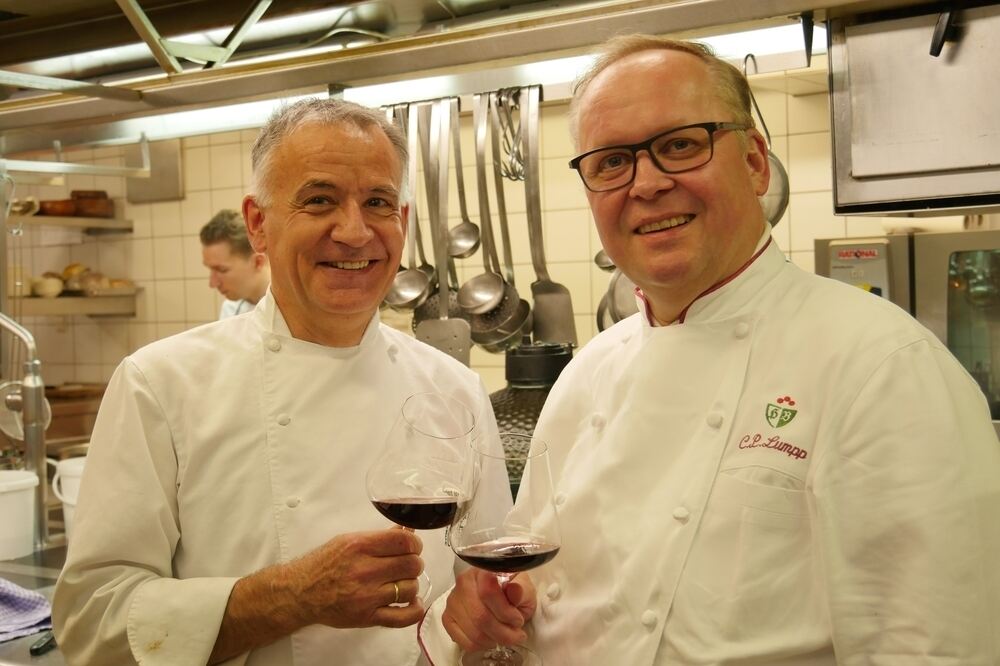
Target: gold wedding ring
(395, 596)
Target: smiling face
(674, 235)
(332, 228)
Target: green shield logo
(779, 416)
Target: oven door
(957, 296)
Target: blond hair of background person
(762, 466)
(223, 515)
(239, 273)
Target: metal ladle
(603, 261)
(485, 291)
(425, 266)
(463, 238)
(410, 287)
(505, 326)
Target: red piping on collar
(718, 285)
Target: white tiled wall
(163, 253)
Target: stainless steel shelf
(91, 225)
(74, 305)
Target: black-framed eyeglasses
(674, 151)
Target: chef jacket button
(284, 419)
(552, 591)
(742, 329)
(626, 339)
(292, 502)
(597, 421)
(714, 419)
(392, 350)
(681, 514)
(649, 619)
(560, 499)
(274, 344)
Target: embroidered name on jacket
(775, 443)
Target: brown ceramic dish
(88, 194)
(60, 208)
(95, 207)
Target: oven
(949, 281)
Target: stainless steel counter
(39, 572)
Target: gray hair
(731, 87)
(330, 111)
(227, 227)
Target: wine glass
(509, 540)
(424, 472)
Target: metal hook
(753, 99)
(7, 198)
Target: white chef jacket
(225, 449)
(232, 308)
(798, 474)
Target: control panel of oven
(864, 264)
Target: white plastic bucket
(66, 486)
(17, 509)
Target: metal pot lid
(621, 297)
(604, 320)
(775, 201)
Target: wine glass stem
(501, 653)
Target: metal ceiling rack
(53, 84)
(60, 167)
(454, 46)
(167, 51)
(164, 51)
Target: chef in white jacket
(223, 515)
(763, 466)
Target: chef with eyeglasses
(762, 467)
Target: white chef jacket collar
(726, 297)
(270, 321)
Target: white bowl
(46, 287)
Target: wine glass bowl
(506, 539)
(423, 472)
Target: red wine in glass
(507, 558)
(419, 513)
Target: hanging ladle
(603, 261)
(463, 238)
(485, 291)
(410, 287)
(425, 266)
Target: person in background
(223, 515)
(239, 273)
(762, 466)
